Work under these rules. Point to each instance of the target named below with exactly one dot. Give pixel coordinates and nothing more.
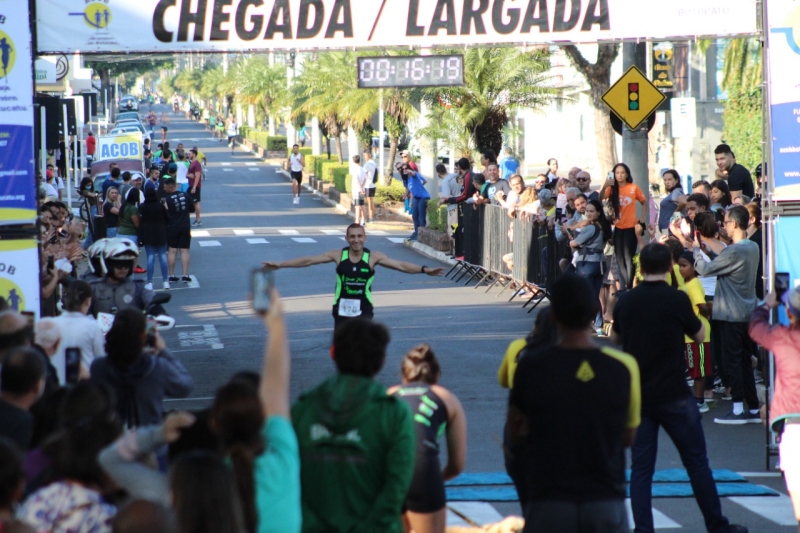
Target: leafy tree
(497, 81)
(742, 124)
(598, 75)
(129, 66)
(261, 84)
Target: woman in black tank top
(436, 412)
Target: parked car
(128, 103)
(129, 115)
(130, 127)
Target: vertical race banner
(784, 92)
(17, 178)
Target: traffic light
(633, 96)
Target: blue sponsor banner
(786, 149)
(17, 178)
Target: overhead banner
(19, 274)
(17, 178)
(784, 73)
(107, 26)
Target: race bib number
(105, 320)
(349, 307)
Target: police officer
(117, 290)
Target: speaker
(52, 120)
(89, 106)
(72, 125)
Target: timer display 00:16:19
(415, 69)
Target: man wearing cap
(784, 342)
(179, 234)
(138, 183)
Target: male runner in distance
(355, 271)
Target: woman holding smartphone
(622, 195)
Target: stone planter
(438, 240)
(274, 154)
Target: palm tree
(189, 81)
(261, 84)
(497, 81)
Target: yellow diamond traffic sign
(633, 98)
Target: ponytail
(420, 364)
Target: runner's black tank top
(430, 415)
(354, 282)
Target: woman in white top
(370, 170)
(78, 330)
(359, 192)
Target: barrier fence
(512, 253)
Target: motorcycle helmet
(120, 252)
(95, 253)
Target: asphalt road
(248, 217)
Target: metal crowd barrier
(511, 253)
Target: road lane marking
(257, 240)
(303, 239)
(288, 232)
(399, 240)
(205, 244)
(776, 509)
(200, 233)
(243, 232)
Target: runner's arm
(402, 266)
(456, 437)
(302, 262)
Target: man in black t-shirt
(650, 321)
(179, 234)
(574, 472)
(739, 180)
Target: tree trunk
(489, 133)
(389, 171)
(338, 140)
(598, 75)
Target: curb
(426, 250)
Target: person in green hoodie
(357, 444)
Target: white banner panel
(217, 25)
(784, 73)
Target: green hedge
(437, 215)
(341, 178)
(310, 161)
(303, 150)
(393, 193)
(327, 175)
(276, 143)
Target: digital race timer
(410, 71)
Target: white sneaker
(166, 285)
(148, 286)
(296, 200)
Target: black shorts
(297, 176)
(179, 238)
(358, 200)
(195, 195)
(426, 494)
(231, 138)
(164, 128)
(369, 193)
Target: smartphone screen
(73, 364)
(558, 214)
(261, 282)
(781, 283)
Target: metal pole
(381, 158)
(634, 143)
(66, 145)
(43, 136)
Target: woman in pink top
(784, 343)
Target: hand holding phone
(72, 370)
(781, 284)
(261, 283)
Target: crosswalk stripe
(200, 233)
(257, 240)
(225, 164)
(332, 232)
(777, 509)
(250, 164)
(243, 232)
(399, 240)
(288, 232)
(377, 232)
(255, 169)
(227, 170)
(303, 239)
(209, 243)
(660, 520)
(479, 512)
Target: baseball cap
(168, 181)
(545, 195)
(404, 153)
(759, 169)
(137, 177)
(791, 299)
(173, 167)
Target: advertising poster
(784, 71)
(19, 283)
(174, 25)
(17, 178)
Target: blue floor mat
(660, 490)
(668, 475)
